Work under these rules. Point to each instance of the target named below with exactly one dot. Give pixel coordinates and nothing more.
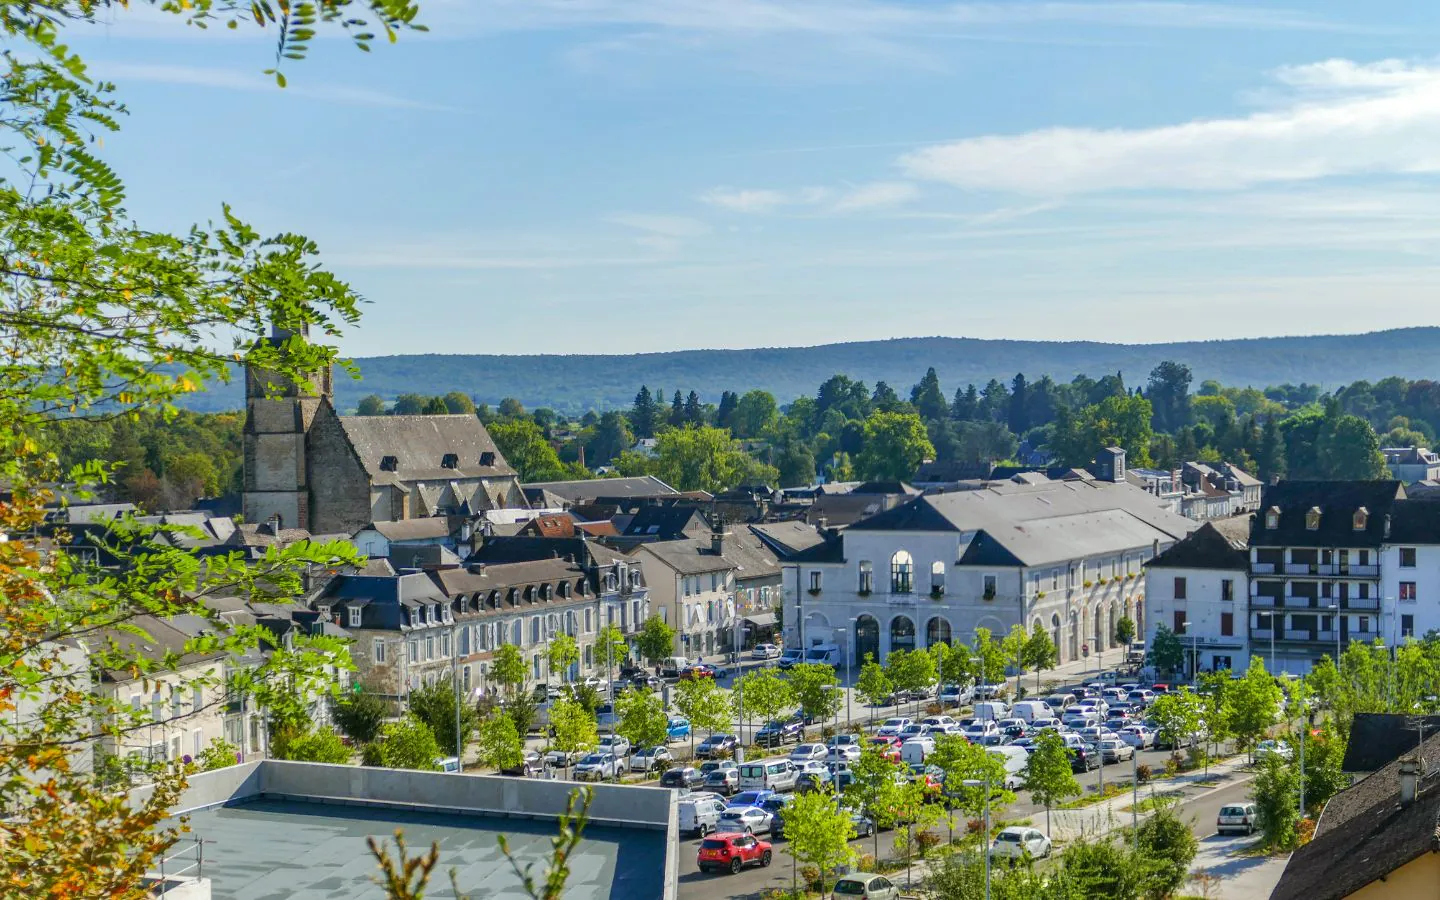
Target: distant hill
(576, 383)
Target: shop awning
(761, 620)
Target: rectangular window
(1407, 626)
(1227, 624)
(1227, 589)
(1364, 590)
(354, 617)
(414, 651)
(445, 644)
(1263, 621)
(989, 582)
(1180, 588)
(1364, 623)
(686, 579)
(589, 620)
(714, 581)
(1407, 591)
(1364, 557)
(1179, 621)
(380, 652)
(1054, 579)
(198, 698)
(815, 580)
(1407, 557)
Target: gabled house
(1199, 589)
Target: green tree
(990, 657)
(704, 704)
(819, 833)
(875, 787)
(755, 414)
(1349, 450)
(1254, 704)
(1125, 630)
(219, 754)
(574, 727)
(508, 668)
(1176, 715)
(895, 445)
(1014, 646)
(1048, 775)
(500, 745)
(1169, 393)
(435, 705)
(612, 437)
(928, 399)
(816, 690)
(610, 647)
(968, 768)
(640, 717)
(409, 405)
(701, 458)
(762, 695)
(1276, 792)
(1099, 868)
(1041, 652)
(1324, 777)
(409, 744)
(873, 685)
(523, 445)
(371, 405)
(562, 653)
(645, 414)
(1167, 654)
(435, 406)
(510, 408)
(459, 403)
(320, 745)
(1167, 846)
(360, 716)
(656, 639)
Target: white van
(1030, 710)
(777, 774)
(916, 749)
(828, 654)
(1014, 759)
(700, 816)
(672, 666)
(992, 709)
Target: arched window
(902, 573)
(902, 634)
(937, 631)
(867, 576)
(937, 578)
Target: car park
(750, 798)
(779, 731)
(777, 774)
(914, 729)
(1014, 760)
(977, 730)
(844, 740)
(865, 886)
(1082, 759)
(938, 722)
(889, 747)
(648, 759)
(723, 781)
(791, 657)
(615, 745)
(687, 777)
(957, 694)
(804, 752)
(1025, 743)
(677, 730)
(699, 816)
(1039, 725)
(765, 651)
(813, 776)
(916, 749)
(1114, 750)
(732, 852)
(1017, 842)
(893, 726)
(1030, 710)
(745, 819)
(991, 709)
(850, 752)
(596, 766)
(1058, 703)
(716, 746)
(1241, 817)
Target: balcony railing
(1260, 568)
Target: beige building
(692, 588)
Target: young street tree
(500, 745)
(656, 640)
(409, 744)
(704, 703)
(911, 671)
(434, 704)
(819, 833)
(968, 768)
(873, 685)
(508, 668)
(1177, 716)
(990, 656)
(1167, 654)
(1048, 775)
(1040, 652)
(1276, 791)
(562, 653)
(640, 718)
(1167, 846)
(1125, 630)
(610, 649)
(1253, 703)
(764, 695)
(874, 790)
(815, 688)
(1014, 646)
(361, 716)
(575, 730)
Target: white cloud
(233, 80)
(668, 226)
(1344, 118)
(854, 198)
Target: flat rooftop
(271, 849)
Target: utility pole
(455, 684)
(1135, 796)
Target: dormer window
(1312, 519)
(487, 458)
(1272, 518)
(389, 463)
(1360, 519)
(354, 617)
(450, 461)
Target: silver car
(597, 766)
(747, 819)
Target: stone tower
(278, 415)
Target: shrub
(827, 731)
(933, 709)
(1172, 765)
(372, 755)
(810, 876)
(218, 755)
(1144, 773)
(867, 863)
(925, 841)
(1198, 757)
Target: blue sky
(638, 175)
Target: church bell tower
(278, 415)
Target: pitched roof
(830, 550)
(667, 523)
(786, 538)
(422, 529)
(526, 548)
(1376, 739)
(688, 557)
(1207, 547)
(1364, 834)
(161, 638)
(419, 445)
(1337, 501)
(590, 488)
(550, 526)
(1415, 522)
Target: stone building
(308, 467)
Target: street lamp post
(1194, 645)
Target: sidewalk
(1108, 815)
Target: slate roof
(1207, 547)
(1337, 501)
(160, 639)
(1365, 834)
(688, 557)
(550, 526)
(787, 538)
(752, 558)
(422, 529)
(885, 487)
(591, 488)
(524, 548)
(1376, 739)
(1415, 522)
(419, 445)
(666, 523)
(830, 550)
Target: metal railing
(187, 863)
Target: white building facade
(1198, 589)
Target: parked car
(844, 740)
(1273, 748)
(723, 781)
(849, 752)
(615, 745)
(806, 752)
(978, 730)
(732, 852)
(914, 730)
(770, 774)
(790, 657)
(687, 777)
(957, 694)
(672, 666)
(814, 779)
(1240, 817)
(745, 819)
(779, 731)
(1025, 743)
(1047, 722)
(699, 816)
(716, 746)
(888, 746)
(1016, 842)
(697, 671)
(1082, 759)
(1114, 750)
(893, 726)
(648, 759)
(646, 681)
(563, 759)
(1141, 696)
(989, 691)
(751, 798)
(596, 766)
(677, 730)
(864, 826)
(765, 651)
(1058, 703)
(865, 886)
(530, 765)
(1140, 737)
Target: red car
(888, 745)
(697, 671)
(732, 852)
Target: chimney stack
(717, 538)
(1409, 781)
